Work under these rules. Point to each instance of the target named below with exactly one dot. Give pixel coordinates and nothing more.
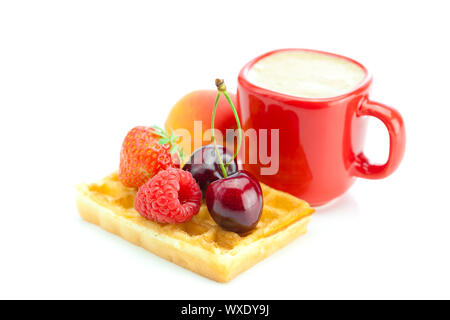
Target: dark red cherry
(204, 165)
(235, 203)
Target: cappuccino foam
(306, 74)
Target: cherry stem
(213, 137)
(238, 126)
(221, 88)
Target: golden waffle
(199, 245)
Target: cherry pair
(233, 197)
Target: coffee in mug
(318, 102)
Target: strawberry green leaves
(170, 139)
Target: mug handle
(394, 123)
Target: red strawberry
(145, 152)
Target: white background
(75, 76)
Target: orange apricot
(190, 118)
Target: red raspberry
(171, 196)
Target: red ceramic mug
(320, 139)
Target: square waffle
(199, 245)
